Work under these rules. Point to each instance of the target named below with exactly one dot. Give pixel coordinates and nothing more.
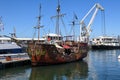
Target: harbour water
(98, 65)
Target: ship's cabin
(53, 37)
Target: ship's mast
(57, 30)
(73, 23)
(38, 25)
(57, 21)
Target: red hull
(47, 54)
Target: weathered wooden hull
(47, 54)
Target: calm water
(98, 65)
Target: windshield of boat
(8, 51)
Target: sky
(21, 15)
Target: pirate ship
(55, 50)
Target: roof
(53, 34)
(6, 38)
(9, 46)
(113, 37)
(29, 39)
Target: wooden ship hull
(48, 54)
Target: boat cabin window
(54, 38)
(97, 39)
(8, 51)
(60, 38)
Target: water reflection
(18, 73)
(71, 71)
(103, 65)
(99, 65)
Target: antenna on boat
(1, 24)
(13, 35)
(38, 25)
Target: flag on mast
(75, 16)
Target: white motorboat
(105, 42)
